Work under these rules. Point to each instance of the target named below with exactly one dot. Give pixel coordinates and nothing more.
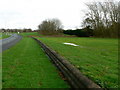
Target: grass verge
(3, 35)
(26, 66)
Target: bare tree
(50, 26)
(103, 18)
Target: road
(9, 42)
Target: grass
(1, 70)
(26, 66)
(3, 35)
(30, 34)
(97, 58)
(26, 34)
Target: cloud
(30, 13)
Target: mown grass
(30, 34)
(26, 66)
(97, 58)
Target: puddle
(71, 44)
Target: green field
(97, 58)
(25, 65)
(30, 34)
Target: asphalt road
(9, 42)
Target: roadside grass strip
(98, 60)
(26, 66)
(4, 35)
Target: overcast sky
(30, 13)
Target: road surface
(8, 42)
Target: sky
(30, 13)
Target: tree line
(16, 30)
(85, 32)
(103, 18)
